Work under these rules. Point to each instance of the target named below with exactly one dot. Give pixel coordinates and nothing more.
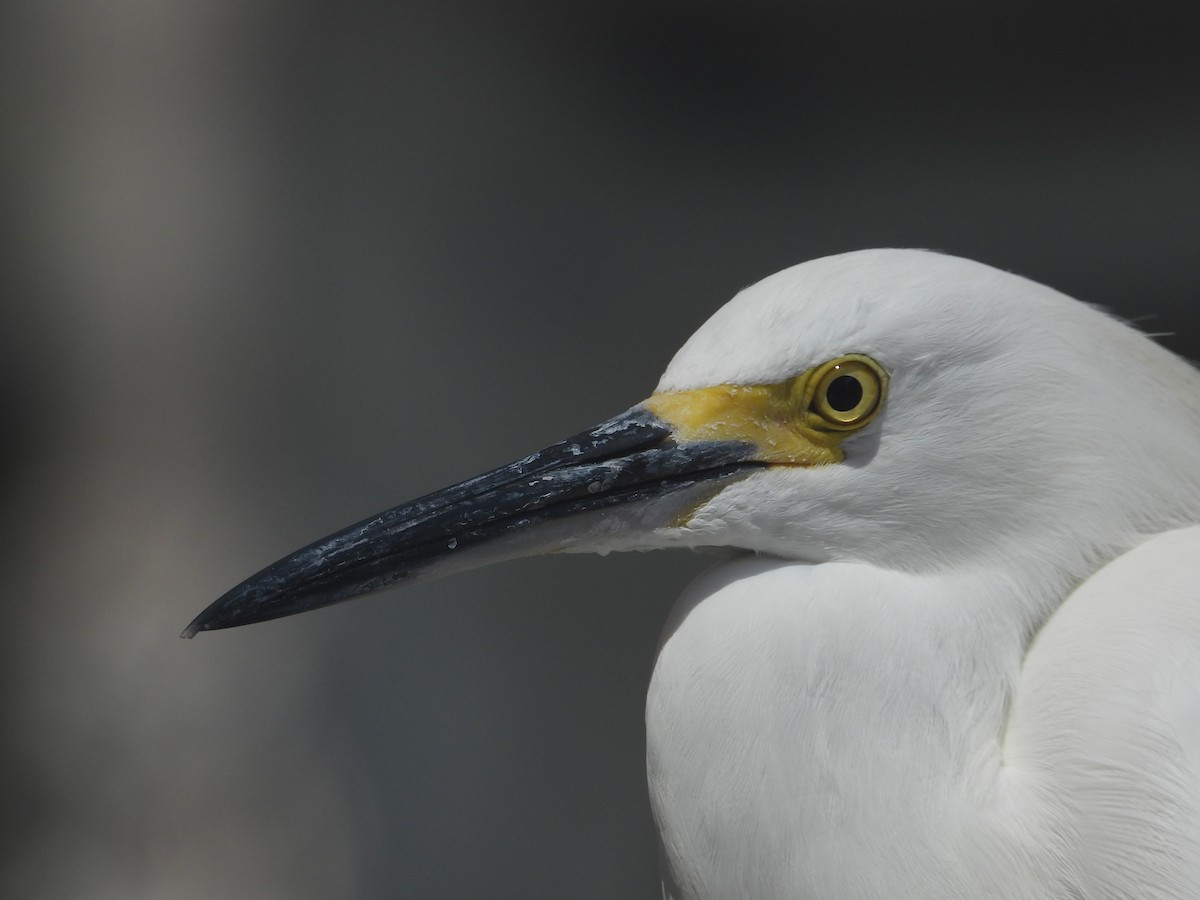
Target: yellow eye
(847, 392)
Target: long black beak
(603, 489)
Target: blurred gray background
(267, 268)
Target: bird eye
(847, 391)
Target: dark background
(269, 267)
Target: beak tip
(215, 615)
(194, 628)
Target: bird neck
(798, 710)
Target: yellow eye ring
(847, 392)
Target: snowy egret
(958, 655)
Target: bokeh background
(269, 267)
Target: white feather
(966, 664)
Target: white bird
(959, 655)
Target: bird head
(899, 408)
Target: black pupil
(844, 393)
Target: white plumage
(980, 675)
(962, 657)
